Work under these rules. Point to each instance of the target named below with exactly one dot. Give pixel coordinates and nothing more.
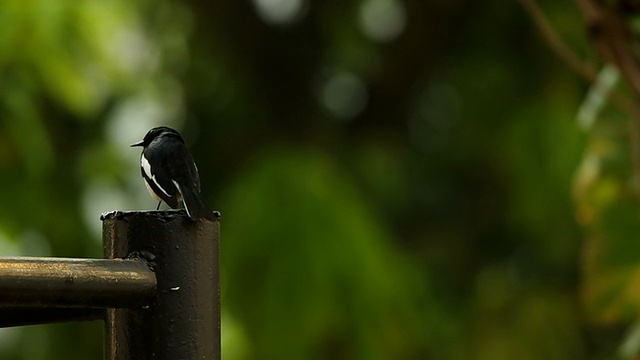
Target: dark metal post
(183, 320)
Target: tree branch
(555, 42)
(611, 37)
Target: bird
(170, 173)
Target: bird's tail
(194, 204)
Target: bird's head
(155, 133)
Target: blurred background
(398, 179)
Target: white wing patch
(147, 170)
(184, 202)
(150, 190)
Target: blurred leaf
(309, 262)
(607, 205)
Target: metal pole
(182, 321)
(64, 282)
(20, 316)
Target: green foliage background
(422, 196)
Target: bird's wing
(157, 177)
(184, 174)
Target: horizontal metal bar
(65, 282)
(20, 316)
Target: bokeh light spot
(344, 95)
(382, 20)
(280, 12)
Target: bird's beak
(139, 143)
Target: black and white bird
(170, 173)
